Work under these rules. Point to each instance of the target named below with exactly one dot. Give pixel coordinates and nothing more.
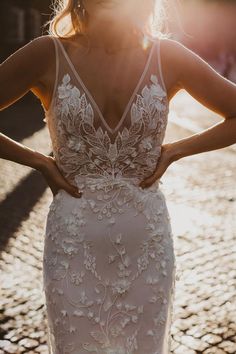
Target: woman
(109, 264)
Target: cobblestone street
(201, 198)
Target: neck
(112, 37)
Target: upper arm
(25, 70)
(201, 80)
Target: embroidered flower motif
(74, 144)
(68, 94)
(118, 239)
(90, 262)
(161, 318)
(88, 151)
(64, 90)
(72, 329)
(64, 313)
(90, 314)
(142, 262)
(140, 309)
(59, 270)
(152, 280)
(70, 247)
(111, 258)
(157, 93)
(116, 330)
(146, 144)
(78, 313)
(120, 286)
(119, 305)
(57, 321)
(77, 278)
(124, 321)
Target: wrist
(173, 152)
(40, 162)
(170, 152)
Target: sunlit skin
(115, 26)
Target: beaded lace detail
(85, 150)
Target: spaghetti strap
(54, 39)
(59, 44)
(69, 61)
(65, 54)
(159, 63)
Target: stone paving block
(28, 343)
(228, 346)
(194, 343)
(42, 349)
(182, 349)
(214, 350)
(211, 338)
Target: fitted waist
(109, 183)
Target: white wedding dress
(108, 262)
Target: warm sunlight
(117, 185)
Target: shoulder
(39, 45)
(170, 60)
(179, 54)
(173, 49)
(42, 54)
(28, 68)
(37, 53)
(34, 57)
(43, 45)
(181, 60)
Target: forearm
(14, 151)
(218, 136)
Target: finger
(74, 192)
(147, 182)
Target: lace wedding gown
(108, 261)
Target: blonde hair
(67, 22)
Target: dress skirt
(109, 271)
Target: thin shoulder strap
(66, 56)
(60, 45)
(159, 63)
(56, 72)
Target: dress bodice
(85, 147)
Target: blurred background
(200, 192)
(209, 27)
